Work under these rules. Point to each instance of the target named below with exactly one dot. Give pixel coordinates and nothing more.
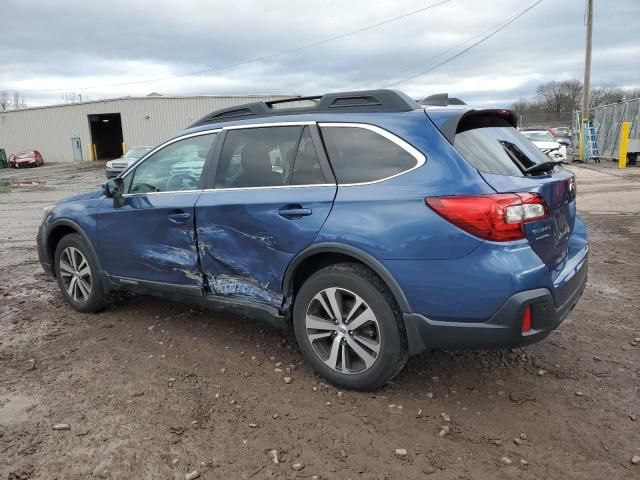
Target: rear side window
(361, 155)
(269, 157)
(257, 157)
(492, 145)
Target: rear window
(361, 155)
(492, 145)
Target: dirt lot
(152, 389)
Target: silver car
(119, 165)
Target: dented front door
(151, 238)
(248, 237)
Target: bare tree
(4, 100)
(606, 95)
(73, 97)
(18, 101)
(555, 101)
(70, 97)
(522, 105)
(559, 97)
(632, 93)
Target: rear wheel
(349, 327)
(77, 274)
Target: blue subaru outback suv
(375, 226)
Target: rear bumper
(26, 164)
(503, 329)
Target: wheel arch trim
(363, 257)
(65, 222)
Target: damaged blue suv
(375, 226)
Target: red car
(26, 158)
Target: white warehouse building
(100, 130)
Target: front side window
(176, 167)
(361, 155)
(258, 157)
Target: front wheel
(77, 274)
(349, 327)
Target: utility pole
(587, 76)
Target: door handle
(294, 211)
(179, 217)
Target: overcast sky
(73, 44)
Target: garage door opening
(106, 135)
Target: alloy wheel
(343, 330)
(75, 274)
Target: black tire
(393, 348)
(96, 299)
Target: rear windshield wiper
(542, 166)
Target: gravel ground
(158, 390)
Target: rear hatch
(510, 163)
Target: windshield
(24, 155)
(541, 136)
(136, 153)
(498, 149)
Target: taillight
(526, 320)
(498, 217)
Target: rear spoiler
(448, 120)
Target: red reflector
(499, 217)
(526, 321)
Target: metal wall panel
(608, 119)
(145, 121)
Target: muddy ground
(152, 389)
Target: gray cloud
(71, 44)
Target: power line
(450, 49)
(254, 59)
(462, 52)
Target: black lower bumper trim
(502, 330)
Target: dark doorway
(106, 135)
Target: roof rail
(357, 101)
(441, 100)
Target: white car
(119, 165)
(547, 143)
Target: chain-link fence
(607, 120)
(544, 119)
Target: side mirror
(114, 188)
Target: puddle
(9, 184)
(15, 408)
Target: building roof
(152, 97)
